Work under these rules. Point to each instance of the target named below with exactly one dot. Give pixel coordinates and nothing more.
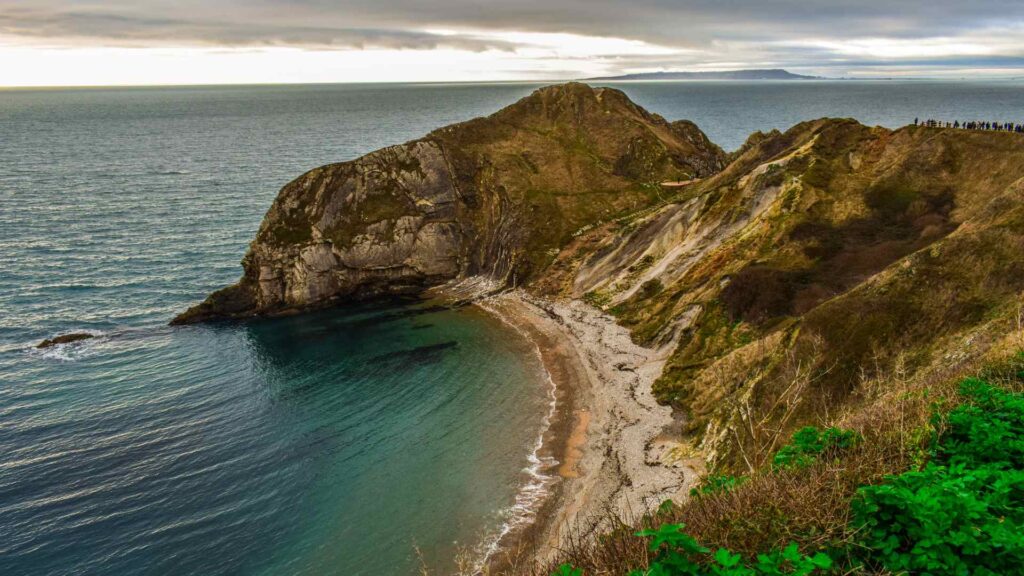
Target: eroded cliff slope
(496, 197)
(821, 259)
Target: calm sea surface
(330, 443)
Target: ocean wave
(169, 173)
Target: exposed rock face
(496, 196)
(384, 222)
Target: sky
(143, 42)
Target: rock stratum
(495, 197)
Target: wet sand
(570, 464)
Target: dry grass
(886, 331)
(811, 506)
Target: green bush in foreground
(961, 514)
(945, 521)
(986, 431)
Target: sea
(374, 438)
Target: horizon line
(505, 81)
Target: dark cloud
(135, 30)
(762, 32)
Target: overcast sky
(81, 42)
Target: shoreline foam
(537, 488)
(608, 437)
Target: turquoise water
(327, 444)
(330, 443)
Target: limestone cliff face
(496, 196)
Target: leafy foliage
(989, 430)
(945, 521)
(715, 483)
(963, 513)
(810, 443)
(567, 570)
(678, 554)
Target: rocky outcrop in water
(496, 196)
(64, 339)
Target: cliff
(842, 307)
(818, 259)
(496, 197)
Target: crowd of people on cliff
(973, 125)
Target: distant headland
(772, 74)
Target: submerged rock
(65, 339)
(495, 196)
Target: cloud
(112, 29)
(634, 35)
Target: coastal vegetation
(958, 507)
(839, 283)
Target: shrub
(679, 554)
(961, 512)
(964, 512)
(809, 443)
(716, 483)
(988, 430)
(759, 293)
(945, 521)
(597, 298)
